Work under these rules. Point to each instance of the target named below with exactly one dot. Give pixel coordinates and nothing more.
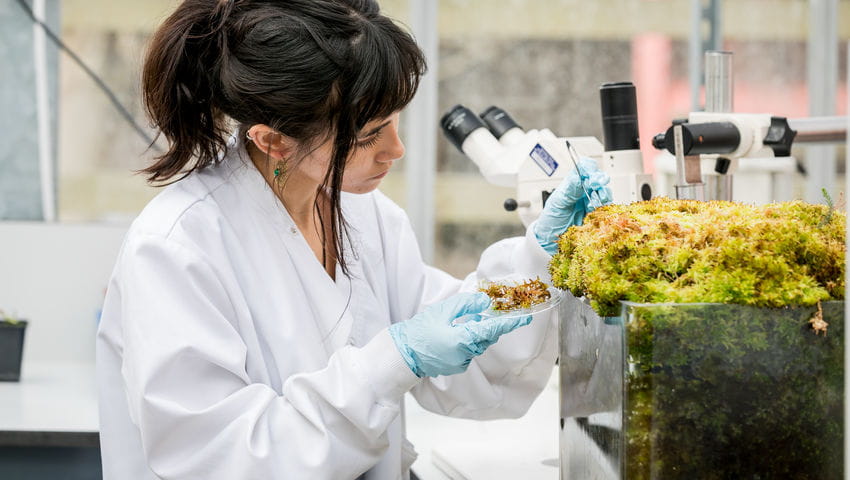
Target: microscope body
(628, 182)
(751, 128)
(537, 161)
(709, 147)
(544, 167)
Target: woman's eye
(371, 141)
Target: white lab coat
(226, 352)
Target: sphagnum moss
(721, 391)
(686, 251)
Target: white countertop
(50, 397)
(460, 449)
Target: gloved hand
(432, 344)
(568, 204)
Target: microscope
(722, 139)
(536, 161)
(709, 145)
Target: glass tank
(709, 391)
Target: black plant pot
(11, 349)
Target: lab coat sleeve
(505, 380)
(198, 413)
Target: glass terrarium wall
(710, 391)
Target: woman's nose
(393, 148)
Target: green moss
(730, 391)
(8, 319)
(731, 382)
(686, 251)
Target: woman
(270, 308)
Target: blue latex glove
(433, 344)
(568, 204)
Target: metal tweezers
(574, 157)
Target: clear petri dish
(555, 297)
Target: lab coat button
(293, 230)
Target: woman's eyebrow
(375, 130)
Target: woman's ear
(274, 144)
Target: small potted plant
(11, 346)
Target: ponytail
(309, 69)
(180, 90)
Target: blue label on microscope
(543, 160)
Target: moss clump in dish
(512, 297)
(686, 251)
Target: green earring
(279, 170)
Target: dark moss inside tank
(730, 391)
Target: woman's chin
(367, 186)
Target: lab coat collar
(332, 312)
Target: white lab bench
(54, 404)
(459, 449)
(49, 423)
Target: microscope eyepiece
(619, 116)
(459, 123)
(498, 121)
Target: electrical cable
(125, 114)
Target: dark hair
(310, 69)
